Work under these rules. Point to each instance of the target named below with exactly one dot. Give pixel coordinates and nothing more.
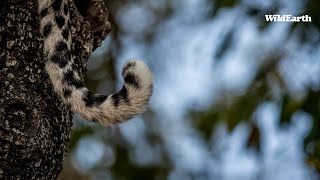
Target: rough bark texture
(35, 126)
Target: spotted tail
(128, 102)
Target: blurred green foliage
(234, 107)
(241, 108)
(128, 170)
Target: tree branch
(35, 126)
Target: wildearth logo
(288, 18)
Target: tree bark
(35, 126)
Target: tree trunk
(35, 126)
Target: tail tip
(140, 69)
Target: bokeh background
(235, 97)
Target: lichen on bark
(35, 126)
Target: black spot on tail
(67, 93)
(65, 9)
(132, 80)
(122, 95)
(128, 66)
(60, 20)
(43, 13)
(91, 99)
(71, 81)
(47, 29)
(61, 46)
(61, 59)
(56, 5)
(94, 120)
